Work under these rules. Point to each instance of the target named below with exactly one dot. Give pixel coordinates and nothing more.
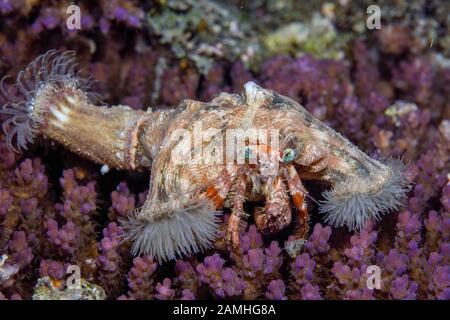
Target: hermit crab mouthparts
(180, 214)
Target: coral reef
(388, 90)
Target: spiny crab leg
(298, 193)
(277, 211)
(237, 212)
(218, 191)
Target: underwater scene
(224, 150)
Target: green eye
(288, 155)
(247, 153)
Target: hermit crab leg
(218, 191)
(277, 211)
(298, 193)
(237, 212)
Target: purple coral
(110, 261)
(318, 241)
(362, 251)
(123, 202)
(132, 19)
(408, 226)
(186, 276)
(310, 292)
(441, 282)
(233, 285)
(21, 254)
(163, 290)
(302, 269)
(140, 278)
(110, 258)
(224, 282)
(187, 295)
(65, 237)
(54, 269)
(30, 175)
(394, 262)
(6, 200)
(80, 200)
(276, 290)
(404, 289)
(360, 294)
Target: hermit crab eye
(288, 155)
(247, 152)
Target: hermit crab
(257, 146)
